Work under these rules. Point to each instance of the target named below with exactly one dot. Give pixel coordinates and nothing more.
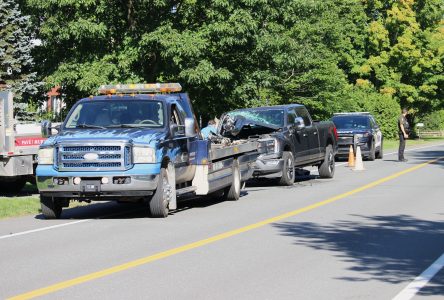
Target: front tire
(327, 168)
(162, 196)
(232, 192)
(288, 174)
(51, 207)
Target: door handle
(304, 134)
(315, 133)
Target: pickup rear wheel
(232, 192)
(162, 196)
(327, 168)
(288, 173)
(51, 207)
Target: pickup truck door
(298, 138)
(312, 133)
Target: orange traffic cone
(351, 157)
(359, 166)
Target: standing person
(403, 127)
(211, 128)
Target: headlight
(143, 155)
(46, 156)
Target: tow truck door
(180, 143)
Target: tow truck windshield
(116, 114)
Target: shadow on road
(424, 156)
(392, 249)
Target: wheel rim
(331, 162)
(167, 192)
(290, 168)
(237, 182)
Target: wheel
(51, 207)
(380, 152)
(372, 154)
(162, 196)
(232, 192)
(327, 168)
(288, 173)
(14, 186)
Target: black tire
(288, 173)
(232, 192)
(381, 151)
(327, 168)
(51, 207)
(160, 200)
(372, 154)
(12, 187)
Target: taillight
(335, 132)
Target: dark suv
(358, 129)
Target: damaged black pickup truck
(294, 140)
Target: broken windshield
(273, 118)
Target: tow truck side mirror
(299, 123)
(46, 128)
(190, 127)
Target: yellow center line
(167, 253)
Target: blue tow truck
(137, 143)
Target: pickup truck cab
(293, 138)
(136, 143)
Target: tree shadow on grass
(392, 249)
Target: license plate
(90, 186)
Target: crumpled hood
(238, 124)
(136, 135)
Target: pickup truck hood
(136, 135)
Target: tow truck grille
(93, 157)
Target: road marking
(64, 224)
(210, 240)
(419, 282)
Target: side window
(373, 122)
(175, 116)
(303, 113)
(291, 116)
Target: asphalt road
(362, 235)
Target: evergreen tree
(16, 44)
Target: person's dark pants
(401, 147)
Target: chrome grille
(71, 157)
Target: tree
(16, 43)
(405, 54)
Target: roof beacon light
(140, 88)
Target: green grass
(393, 144)
(19, 206)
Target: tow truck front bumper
(135, 183)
